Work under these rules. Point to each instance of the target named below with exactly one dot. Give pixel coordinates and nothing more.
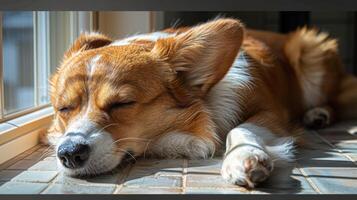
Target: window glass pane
(60, 36)
(53, 33)
(18, 61)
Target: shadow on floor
(317, 160)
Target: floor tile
(318, 158)
(12, 161)
(43, 148)
(157, 167)
(78, 189)
(99, 180)
(313, 142)
(23, 164)
(286, 180)
(35, 176)
(154, 181)
(38, 155)
(337, 180)
(207, 180)
(347, 146)
(319, 168)
(7, 175)
(45, 165)
(345, 125)
(353, 156)
(334, 136)
(260, 192)
(195, 190)
(22, 188)
(212, 166)
(50, 158)
(131, 190)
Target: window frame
(78, 21)
(21, 130)
(1, 72)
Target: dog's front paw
(246, 166)
(317, 118)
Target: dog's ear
(202, 55)
(87, 41)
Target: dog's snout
(73, 155)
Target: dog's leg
(319, 117)
(251, 150)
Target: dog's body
(183, 92)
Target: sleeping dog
(186, 92)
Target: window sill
(22, 133)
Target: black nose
(73, 155)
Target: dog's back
(317, 64)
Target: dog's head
(114, 100)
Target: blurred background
(34, 42)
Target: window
(18, 61)
(32, 46)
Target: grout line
(184, 176)
(335, 147)
(120, 181)
(28, 153)
(311, 183)
(50, 183)
(152, 187)
(117, 189)
(167, 175)
(240, 189)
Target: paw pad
(247, 168)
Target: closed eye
(64, 109)
(118, 105)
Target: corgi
(190, 91)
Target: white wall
(120, 24)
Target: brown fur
(169, 79)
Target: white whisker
(130, 138)
(112, 124)
(126, 152)
(146, 148)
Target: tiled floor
(327, 165)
